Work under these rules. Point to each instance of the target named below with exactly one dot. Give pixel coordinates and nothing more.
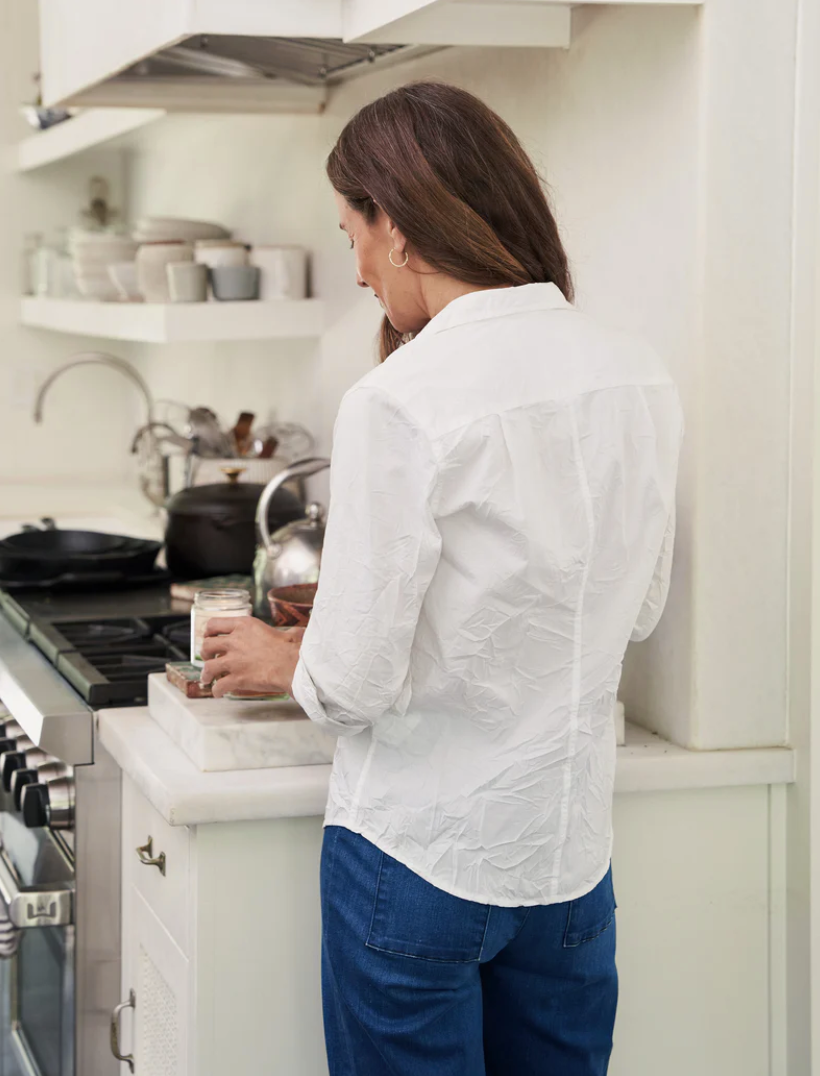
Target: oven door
(37, 891)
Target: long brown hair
(450, 173)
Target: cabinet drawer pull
(115, 1030)
(146, 854)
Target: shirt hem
(464, 894)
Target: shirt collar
(495, 303)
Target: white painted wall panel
(90, 416)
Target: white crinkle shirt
(501, 524)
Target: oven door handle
(115, 1030)
(37, 906)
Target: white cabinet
(156, 934)
(222, 950)
(86, 42)
(164, 885)
(160, 974)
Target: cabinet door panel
(161, 983)
(169, 893)
(83, 42)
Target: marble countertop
(186, 797)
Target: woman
(502, 516)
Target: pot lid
(231, 498)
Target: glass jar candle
(214, 603)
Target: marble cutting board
(220, 734)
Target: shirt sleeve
(655, 600)
(380, 552)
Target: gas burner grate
(108, 661)
(106, 634)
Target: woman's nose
(360, 282)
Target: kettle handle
(301, 469)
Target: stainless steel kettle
(292, 554)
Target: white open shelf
(155, 323)
(93, 127)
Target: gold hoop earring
(395, 266)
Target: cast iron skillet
(57, 543)
(48, 554)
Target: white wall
(89, 415)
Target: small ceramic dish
(291, 606)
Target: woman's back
(518, 490)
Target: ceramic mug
(152, 259)
(235, 283)
(187, 282)
(283, 272)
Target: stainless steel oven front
(37, 894)
(59, 873)
(60, 889)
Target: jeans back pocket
(590, 915)
(413, 918)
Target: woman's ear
(398, 240)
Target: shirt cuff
(303, 690)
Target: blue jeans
(417, 982)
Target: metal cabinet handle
(34, 906)
(115, 1030)
(146, 854)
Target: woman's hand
(244, 654)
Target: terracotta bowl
(291, 606)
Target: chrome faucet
(153, 476)
(101, 358)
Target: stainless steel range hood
(262, 54)
(213, 72)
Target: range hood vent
(308, 61)
(215, 72)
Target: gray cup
(233, 283)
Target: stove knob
(60, 803)
(33, 803)
(18, 760)
(52, 769)
(19, 780)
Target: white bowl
(158, 229)
(101, 250)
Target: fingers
(225, 686)
(214, 669)
(225, 625)
(214, 646)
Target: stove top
(104, 645)
(108, 661)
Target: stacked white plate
(176, 229)
(91, 254)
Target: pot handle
(301, 469)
